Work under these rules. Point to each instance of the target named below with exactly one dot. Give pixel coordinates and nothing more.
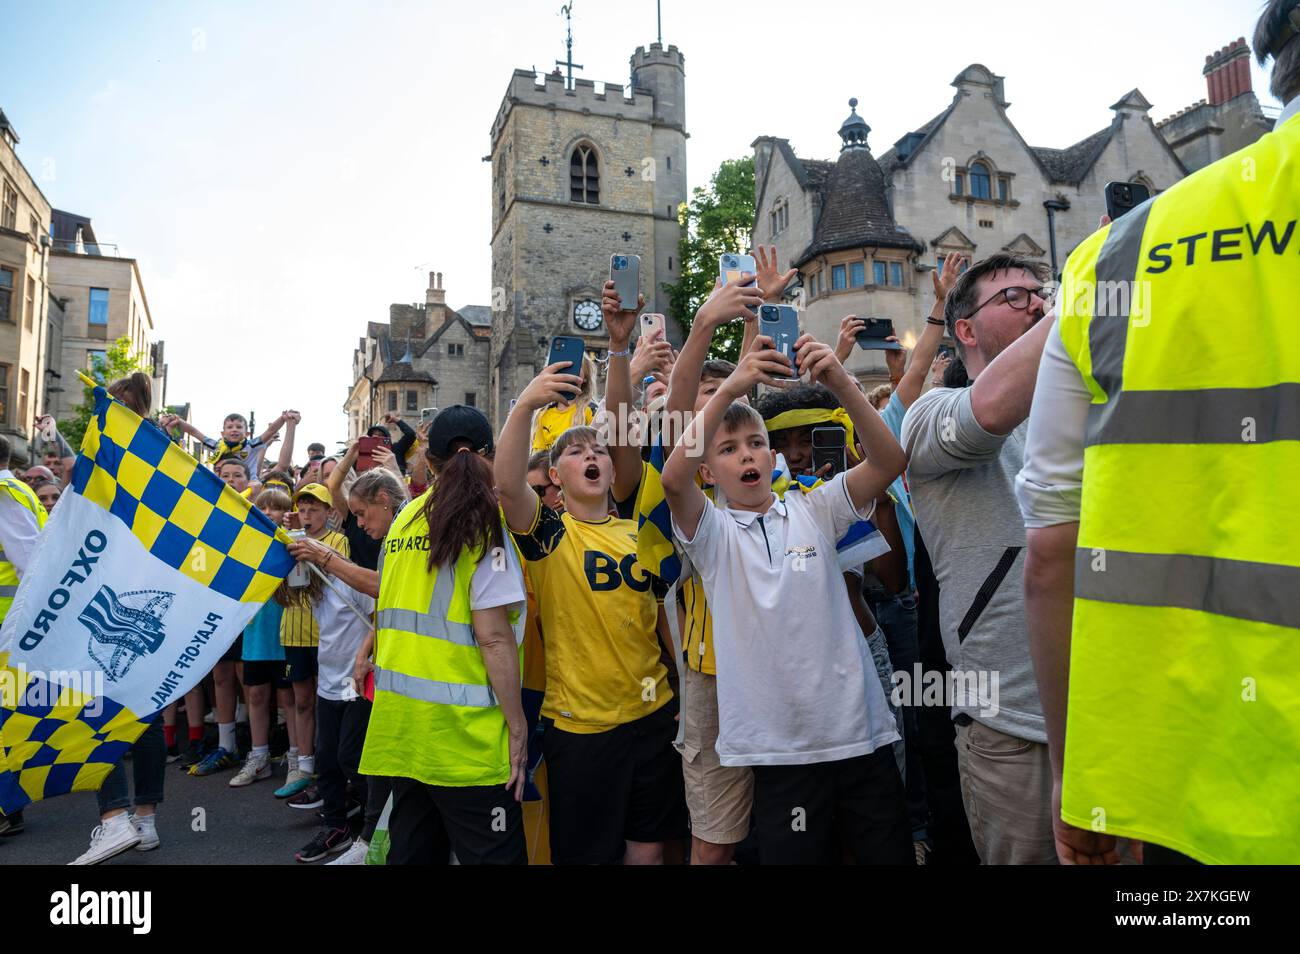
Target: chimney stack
(1227, 72)
(435, 300)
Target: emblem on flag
(124, 628)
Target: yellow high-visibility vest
(1184, 696)
(23, 495)
(435, 717)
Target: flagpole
(330, 583)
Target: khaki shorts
(719, 797)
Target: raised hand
(762, 364)
(555, 385)
(619, 319)
(850, 325)
(819, 363)
(943, 281)
(770, 278)
(729, 302)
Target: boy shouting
(798, 702)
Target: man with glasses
(966, 447)
(539, 478)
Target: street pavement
(202, 821)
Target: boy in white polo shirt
(798, 697)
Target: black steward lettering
(1218, 245)
(1190, 241)
(1268, 231)
(1160, 253)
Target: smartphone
(365, 452)
(427, 414)
(944, 352)
(872, 337)
(828, 447)
(567, 348)
(625, 273)
(299, 576)
(652, 327)
(1124, 196)
(781, 324)
(732, 267)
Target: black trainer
(11, 824)
(328, 841)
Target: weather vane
(567, 12)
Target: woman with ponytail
(448, 723)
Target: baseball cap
(318, 491)
(459, 422)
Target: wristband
(620, 354)
(934, 321)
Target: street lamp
(1053, 206)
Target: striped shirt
(298, 626)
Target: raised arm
(761, 365)
(725, 304)
(518, 500)
(274, 429)
(912, 383)
(334, 482)
(1003, 392)
(883, 457)
(619, 408)
(286, 452)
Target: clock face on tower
(586, 315)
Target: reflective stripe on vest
(1260, 592)
(431, 690)
(433, 623)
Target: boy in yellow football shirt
(615, 780)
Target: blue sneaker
(294, 785)
(215, 761)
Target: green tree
(118, 362)
(716, 220)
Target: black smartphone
(828, 447)
(567, 348)
(872, 337)
(781, 324)
(1122, 197)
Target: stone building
(102, 298)
(580, 173)
(425, 355)
(866, 232)
(1228, 119)
(24, 296)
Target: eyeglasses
(1017, 296)
(540, 489)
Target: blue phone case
(567, 348)
(781, 324)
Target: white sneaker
(147, 827)
(110, 839)
(355, 855)
(252, 771)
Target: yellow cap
(318, 491)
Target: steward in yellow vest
(447, 722)
(1175, 382)
(21, 518)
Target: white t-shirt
(796, 683)
(341, 635)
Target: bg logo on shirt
(606, 573)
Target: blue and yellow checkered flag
(145, 574)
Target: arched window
(979, 181)
(584, 180)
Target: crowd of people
(656, 608)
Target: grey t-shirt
(962, 480)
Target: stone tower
(579, 175)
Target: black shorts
(482, 824)
(260, 672)
(807, 814)
(236, 651)
(300, 662)
(606, 788)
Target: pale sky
(283, 171)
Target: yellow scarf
(810, 416)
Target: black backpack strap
(986, 591)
